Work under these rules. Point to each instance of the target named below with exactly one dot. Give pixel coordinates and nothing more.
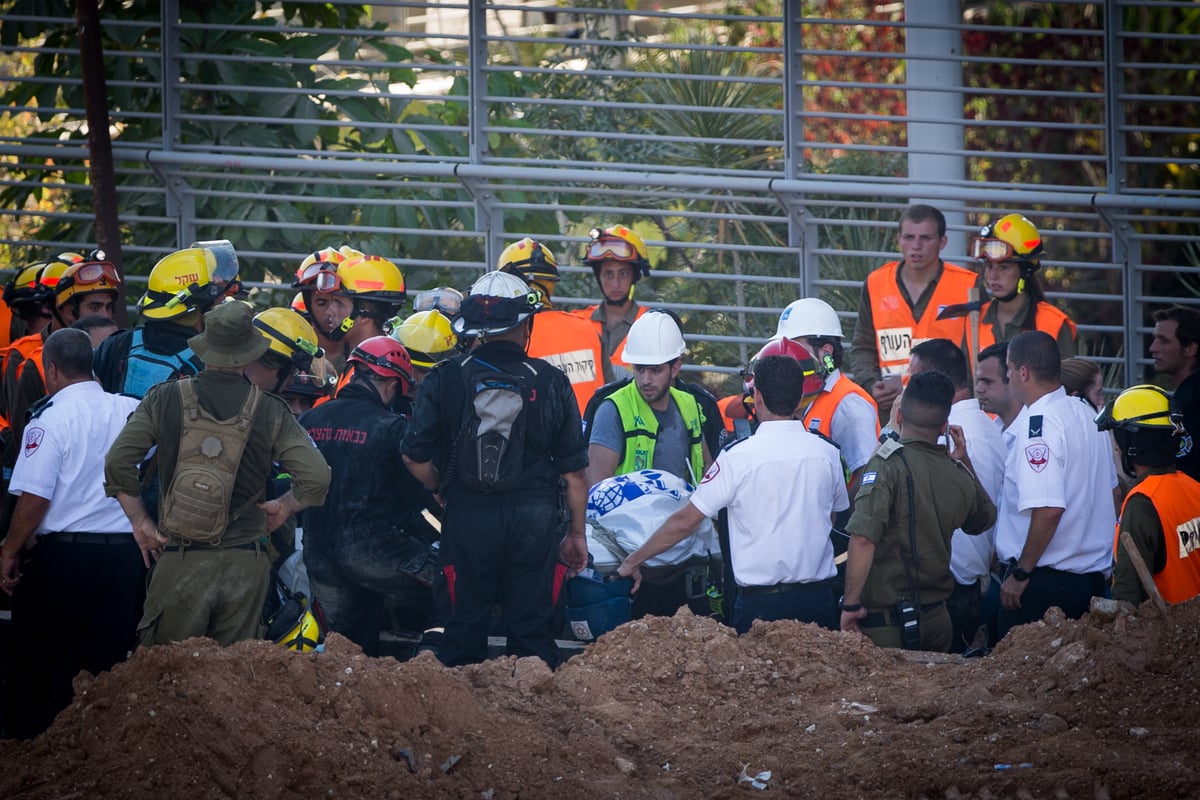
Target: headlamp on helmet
(1010, 238)
(618, 243)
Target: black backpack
(490, 453)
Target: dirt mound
(677, 707)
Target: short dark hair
(927, 399)
(1186, 319)
(780, 380)
(998, 350)
(921, 213)
(1038, 351)
(70, 350)
(818, 342)
(944, 356)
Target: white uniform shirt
(780, 487)
(1058, 459)
(853, 426)
(971, 556)
(62, 459)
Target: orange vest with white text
(572, 345)
(1176, 498)
(896, 332)
(1047, 318)
(820, 414)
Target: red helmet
(386, 357)
(814, 379)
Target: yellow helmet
(1010, 238)
(1142, 407)
(531, 260)
(26, 286)
(288, 334)
(618, 243)
(93, 274)
(365, 278)
(427, 336)
(192, 279)
(53, 270)
(297, 624)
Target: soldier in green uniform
(200, 586)
(913, 496)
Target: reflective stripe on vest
(1176, 498)
(896, 332)
(641, 430)
(1048, 319)
(144, 368)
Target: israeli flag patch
(868, 478)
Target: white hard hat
(654, 338)
(497, 302)
(809, 316)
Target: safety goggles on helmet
(224, 279)
(326, 280)
(1141, 408)
(610, 248)
(91, 273)
(306, 277)
(444, 299)
(993, 250)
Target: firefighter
(1161, 513)
(619, 259)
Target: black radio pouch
(909, 617)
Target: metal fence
(764, 150)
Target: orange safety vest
(896, 332)
(598, 325)
(571, 344)
(1047, 318)
(820, 414)
(6, 321)
(732, 407)
(26, 345)
(1176, 498)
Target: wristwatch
(851, 607)
(1020, 574)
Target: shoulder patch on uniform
(888, 448)
(1038, 456)
(1035, 426)
(712, 472)
(868, 478)
(33, 440)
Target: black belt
(88, 538)
(887, 617)
(754, 591)
(183, 548)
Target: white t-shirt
(1058, 459)
(780, 487)
(971, 556)
(62, 459)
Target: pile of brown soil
(681, 707)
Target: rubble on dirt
(678, 707)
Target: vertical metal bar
(170, 113)
(485, 218)
(799, 227)
(1114, 117)
(933, 41)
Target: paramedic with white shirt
(78, 592)
(782, 487)
(1057, 511)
